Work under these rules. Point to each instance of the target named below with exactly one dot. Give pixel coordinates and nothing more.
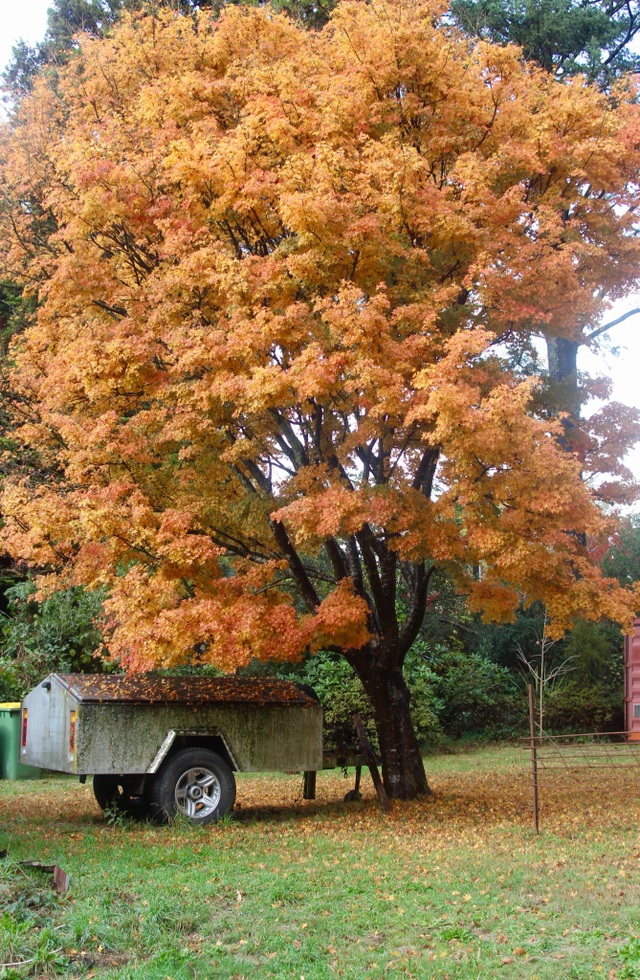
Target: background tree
(565, 37)
(622, 560)
(568, 38)
(284, 280)
(592, 38)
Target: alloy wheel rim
(198, 793)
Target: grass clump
(30, 945)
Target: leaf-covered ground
(458, 886)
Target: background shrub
(571, 707)
(480, 699)
(58, 634)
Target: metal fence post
(534, 759)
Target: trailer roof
(150, 689)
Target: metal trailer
(158, 746)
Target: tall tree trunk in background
(562, 355)
(566, 396)
(563, 364)
(565, 393)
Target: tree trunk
(563, 384)
(563, 366)
(403, 772)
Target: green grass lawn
(454, 887)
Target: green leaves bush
(58, 634)
(572, 707)
(454, 694)
(341, 695)
(480, 699)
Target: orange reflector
(23, 737)
(72, 732)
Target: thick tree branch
(336, 558)
(425, 474)
(114, 311)
(301, 456)
(355, 566)
(417, 609)
(302, 580)
(371, 567)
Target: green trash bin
(10, 766)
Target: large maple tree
(285, 279)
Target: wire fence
(576, 753)
(591, 750)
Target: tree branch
(423, 480)
(336, 558)
(612, 323)
(298, 570)
(418, 607)
(301, 456)
(114, 311)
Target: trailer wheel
(195, 782)
(116, 792)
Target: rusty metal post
(534, 759)
(356, 788)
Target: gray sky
(25, 19)
(619, 356)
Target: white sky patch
(26, 19)
(618, 357)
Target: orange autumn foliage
(280, 275)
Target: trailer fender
(162, 751)
(173, 734)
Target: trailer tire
(116, 793)
(196, 783)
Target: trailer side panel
(127, 738)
